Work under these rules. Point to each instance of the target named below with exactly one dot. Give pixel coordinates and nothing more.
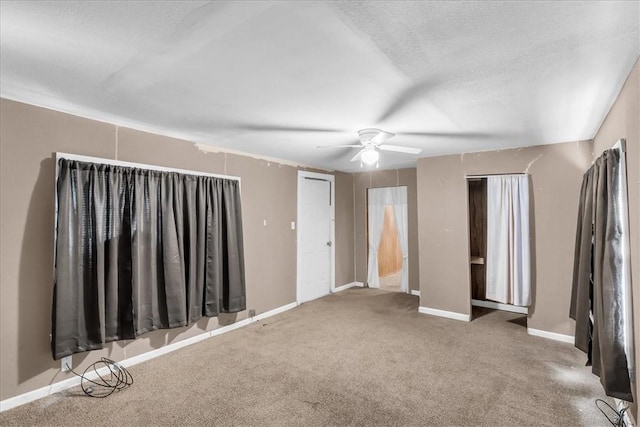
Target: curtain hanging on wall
(508, 244)
(378, 199)
(139, 250)
(600, 295)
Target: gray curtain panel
(598, 287)
(139, 250)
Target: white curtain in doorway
(377, 202)
(508, 244)
(378, 199)
(399, 197)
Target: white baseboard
(348, 286)
(443, 313)
(500, 306)
(30, 396)
(57, 387)
(551, 335)
(414, 292)
(265, 315)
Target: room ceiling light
(370, 156)
(372, 142)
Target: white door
(315, 235)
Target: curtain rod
(138, 165)
(494, 174)
(621, 144)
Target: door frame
(332, 220)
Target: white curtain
(508, 244)
(399, 197)
(378, 199)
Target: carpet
(360, 357)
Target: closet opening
(499, 265)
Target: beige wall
(29, 137)
(344, 217)
(437, 190)
(556, 175)
(377, 179)
(623, 121)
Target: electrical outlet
(252, 313)
(66, 363)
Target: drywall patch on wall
(207, 148)
(531, 163)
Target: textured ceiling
(277, 79)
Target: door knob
(328, 243)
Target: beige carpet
(361, 357)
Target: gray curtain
(139, 250)
(597, 296)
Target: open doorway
(390, 254)
(388, 263)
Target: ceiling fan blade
(382, 137)
(357, 156)
(400, 149)
(471, 135)
(340, 146)
(406, 97)
(277, 128)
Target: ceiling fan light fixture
(370, 156)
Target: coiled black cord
(117, 378)
(618, 421)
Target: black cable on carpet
(117, 378)
(618, 419)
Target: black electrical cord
(117, 378)
(618, 421)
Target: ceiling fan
(372, 140)
(371, 143)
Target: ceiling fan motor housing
(371, 135)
